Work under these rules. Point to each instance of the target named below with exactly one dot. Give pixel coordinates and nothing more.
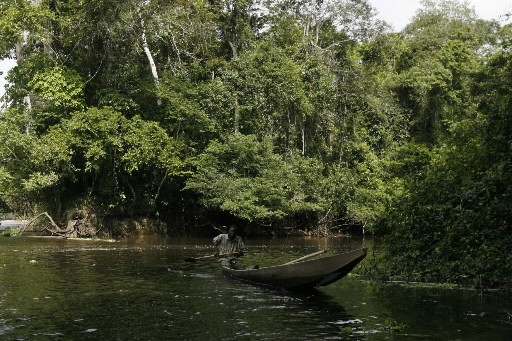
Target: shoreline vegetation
(363, 272)
(80, 226)
(276, 116)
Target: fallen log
(37, 216)
(74, 229)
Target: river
(142, 288)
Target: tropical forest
(279, 116)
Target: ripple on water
(342, 322)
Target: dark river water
(143, 289)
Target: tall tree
(356, 18)
(23, 24)
(444, 42)
(238, 21)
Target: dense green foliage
(272, 113)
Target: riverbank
(95, 225)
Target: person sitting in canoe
(229, 246)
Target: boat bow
(306, 274)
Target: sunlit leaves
(38, 180)
(244, 177)
(20, 19)
(146, 144)
(87, 145)
(60, 86)
(104, 138)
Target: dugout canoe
(302, 275)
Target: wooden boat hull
(306, 274)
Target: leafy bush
(243, 176)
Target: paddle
(193, 259)
(306, 257)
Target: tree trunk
(159, 188)
(234, 49)
(151, 61)
(134, 196)
(237, 117)
(19, 58)
(58, 203)
(306, 27)
(303, 135)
